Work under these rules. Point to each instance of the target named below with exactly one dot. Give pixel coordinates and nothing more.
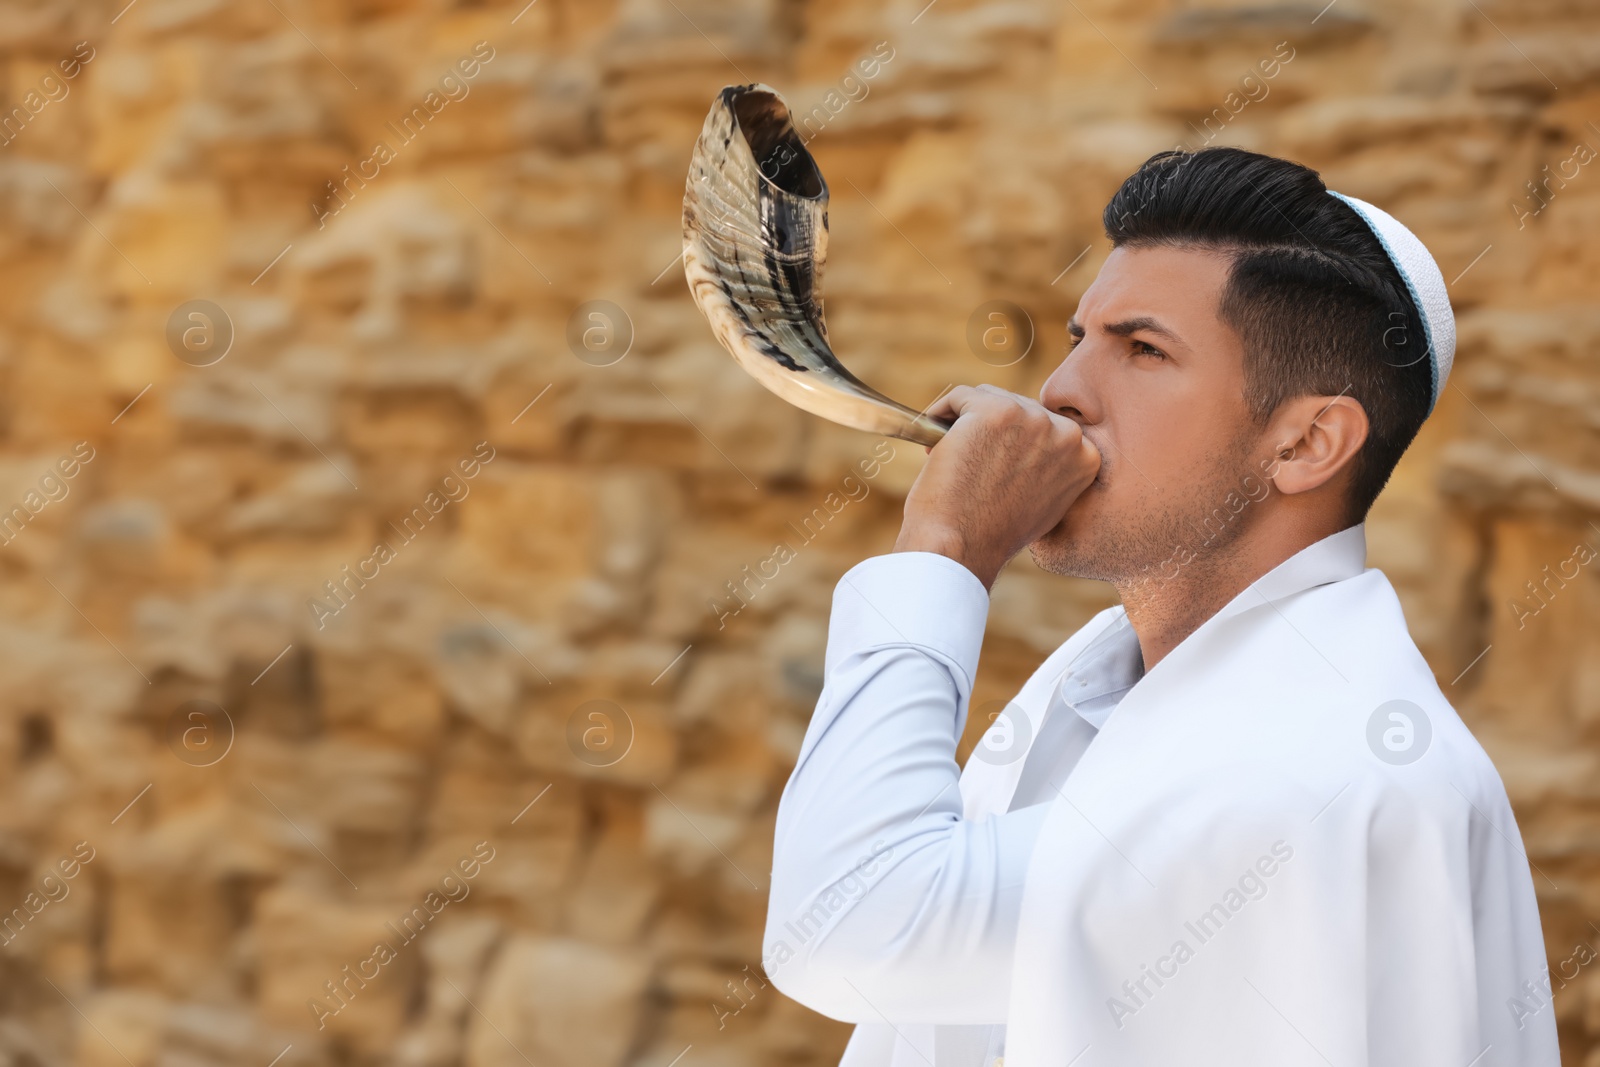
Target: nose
(1067, 392)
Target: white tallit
(1254, 862)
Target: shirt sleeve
(886, 905)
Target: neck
(1164, 610)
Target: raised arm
(887, 905)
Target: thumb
(1090, 452)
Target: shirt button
(999, 1061)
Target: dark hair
(1320, 307)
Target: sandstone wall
(539, 733)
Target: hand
(1001, 478)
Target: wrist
(947, 543)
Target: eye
(1143, 348)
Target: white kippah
(1423, 281)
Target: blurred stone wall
(533, 745)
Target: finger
(1090, 451)
(1070, 428)
(985, 397)
(1005, 398)
(951, 404)
(1033, 412)
(1029, 404)
(996, 391)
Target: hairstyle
(1319, 306)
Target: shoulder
(1445, 766)
(1401, 768)
(1390, 701)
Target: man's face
(1156, 380)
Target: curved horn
(755, 236)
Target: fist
(1002, 477)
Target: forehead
(1177, 286)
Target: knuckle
(1006, 414)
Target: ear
(1316, 438)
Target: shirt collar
(1110, 666)
(1333, 559)
(1112, 663)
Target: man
(1233, 820)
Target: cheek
(1164, 440)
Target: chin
(1096, 541)
(1071, 549)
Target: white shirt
(897, 881)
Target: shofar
(755, 235)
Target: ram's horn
(755, 234)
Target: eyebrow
(1127, 327)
